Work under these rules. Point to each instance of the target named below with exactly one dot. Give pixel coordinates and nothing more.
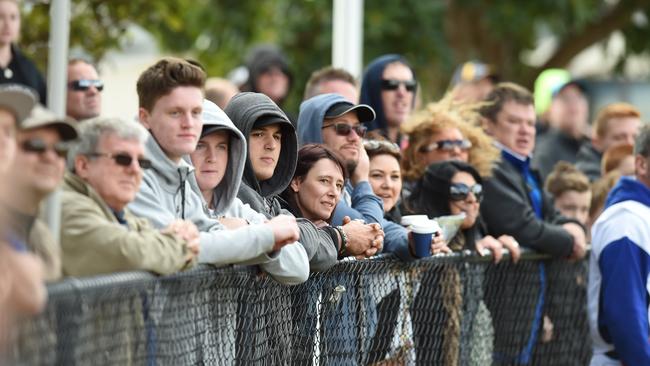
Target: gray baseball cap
(43, 117)
(18, 100)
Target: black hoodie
(246, 110)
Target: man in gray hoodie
(171, 103)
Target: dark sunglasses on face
(38, 146)
(460, 191)
(392, 84)
(123, 159)
(344, 129)
(447, 145)
(85, 84)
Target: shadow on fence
(451, 310)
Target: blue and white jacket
(619, 278)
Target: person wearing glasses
(15, 67)
(453, 187)
(37, 170)
(442, 131)
(99, 234)
(389, 87)
(22, 291)
(84, 98)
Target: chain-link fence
(451, 310)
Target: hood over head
(215, 119)
(314, 110)
(260, 59)
(247, 110)
(371, 86)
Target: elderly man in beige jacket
(98, 233)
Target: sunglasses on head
(378, 144)
(85, 84)
(344, 129)
(124, 159)
(460, 191)
(393, 84)
(447, 145)
(38, 146)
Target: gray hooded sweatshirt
(169, 191)
(245, 110)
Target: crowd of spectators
(235, 179)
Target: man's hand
(187, 231)
(364, 240)
(233, 223)
(285, 230)
(362, 169)
(579, 240)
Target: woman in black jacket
(451, 188)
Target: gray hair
(642, 142)
(92, 130)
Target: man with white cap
(21, 281)
(37, 170)
(16, 102)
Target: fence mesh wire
(455, 310)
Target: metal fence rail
(451, 310)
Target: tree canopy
(434, 35)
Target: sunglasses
(344, 129)
(460, 191)
(124, 159)
(85, 84)
(393, 84)
(447, 145)
(380, 144)
(38, 146)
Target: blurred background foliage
(434, 35)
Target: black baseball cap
(365, 113)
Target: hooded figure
(371, 87)
(250, 110)
(367, 206)
(262, 59)
(225, 193)
(431, 197)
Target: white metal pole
(347, 36)
(57, 76)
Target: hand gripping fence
(457, 309)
